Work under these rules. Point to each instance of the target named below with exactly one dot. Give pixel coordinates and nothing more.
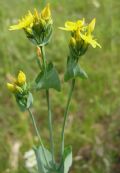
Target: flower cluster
(81, 36)
(37, 26)
(20, 89)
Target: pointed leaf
(67, 160)
(73, 70)
(29, 100)
(43, 167)
(48, 79)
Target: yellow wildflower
(21, 78)
(91, 26)
(11, 87)
(74, 26)
(46, 13)
(25, 22)
(87, 37)
(37, 26)
(14, 88)
(89, 40)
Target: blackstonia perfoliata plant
(38, 29)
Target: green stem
(49, 108)
(66, 114)
(50, 125)
(43, 58)
(39, 64)
(39, 137)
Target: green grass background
(93, 126)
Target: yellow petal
(74, 26)
(21, 78)
(91, 26)
(25, 22)
(80, 23)
(36, 14)
(88, 39)
(46, 13)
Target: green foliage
(48, 79)
(29, 100)
(74, 70)
(43, 167)
(25, 101)
(67, 160)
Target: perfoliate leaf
(74, 70)
(48, 79)
(43, 166)
(67, 160)
(21, 103)
(29, 100)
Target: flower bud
(72, 42)
(21, 78)
(11, 87)
(14, 88)
(46, 13)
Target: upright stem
(43, 58)
(50, 125)
(49, 109)
(37, 132)
(66, 114)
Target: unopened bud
(78, 36)
(21, 78)
(72, 42)
(11, 87)
(46, 13)
(14, 88)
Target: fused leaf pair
(48, 78)
(49, 167)
(73, 70)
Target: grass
(93, 125)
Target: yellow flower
(21, 78)
(46, 13)
(25, 22)
(14, 88)
(89, 40)
(91, 26)
(74, 26)
(11, 87)
(87, 37)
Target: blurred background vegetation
(93, 126)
